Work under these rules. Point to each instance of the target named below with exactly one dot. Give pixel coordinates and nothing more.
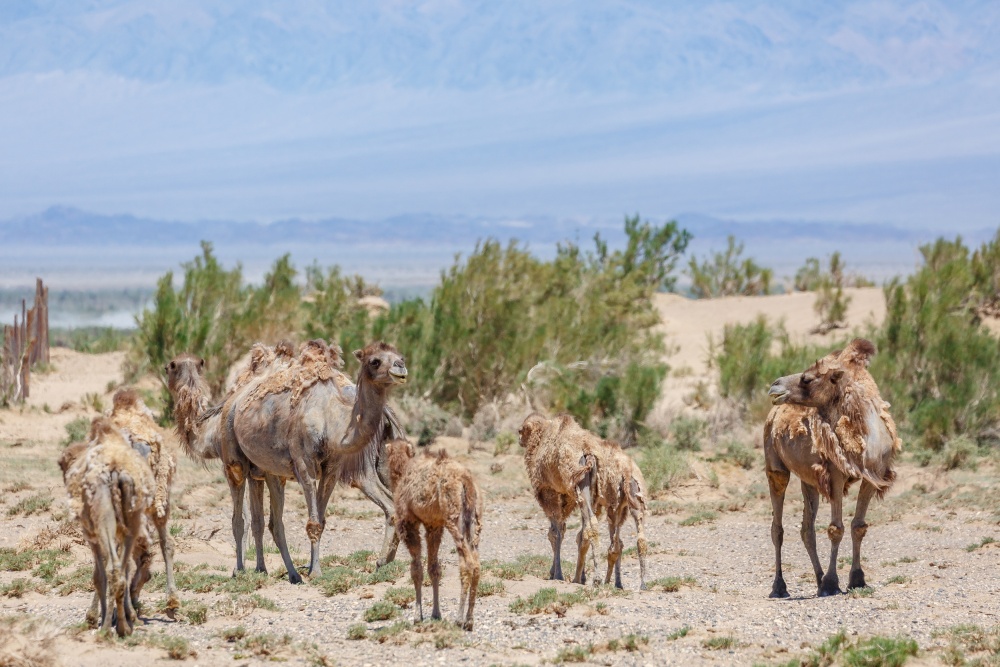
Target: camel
(111, 488)
(311, 423)
(829, 426)
(570, 467)
(137, 422)
(439, 493)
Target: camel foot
(436, 616)
(857, 580)
(465, 625)
(828, 590)
(173, 604)
(294, 577)
(779, 590)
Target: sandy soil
(712, 532)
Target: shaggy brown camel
(831, 428)
(110, 488)
(570, 467)
(313, 424)
(137, 422)
(439, 493)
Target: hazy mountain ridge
(66, 226)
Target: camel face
(382, 364)
(818, 386)
(184, 369)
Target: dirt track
(712, 533)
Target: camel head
(185, 370)
(822, 384)
(530, 433)
(381, 365)
(398, 455)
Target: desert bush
(92, 340)
(831, 304)
(937, 365)
(333, 308)
(76, 430)
(578, 331)
(423, 420)
(686, 433)
(728, 273)
(662, 464)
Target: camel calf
(439, 493)
(571, 467)
(110, 487)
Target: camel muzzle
(778, 394)
(398, 375)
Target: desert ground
(929, 555)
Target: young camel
(137, 422)
(831, 428)
(111, 488)
(439, 493)
(570, 467)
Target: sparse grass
(897, 579)
(525, 564)
(671, 584)
(381, 611)
(662, 465)
(679, 633)
(18, 587)
(487, 588)
(76, 430)
(699, 518)
(79, 580)
(720, 643)
(233, 634)
(503, 443)
(573, 654)
(738, 454)
(981, 543)
(17, 487)
(193, 612)
(401, 597)
(982, 643)
(176, 529)
(36, 504)
(865, 592)
(177, 648)
(342, 573)
(391, 632)
(93, 401)
(880, 652)
(549, 600)
(264, 645)
(357, 631)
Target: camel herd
(299, 416)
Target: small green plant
(573, 654)
(194, 612)
(357, 631)
(488, 588)
(525, 564)
(391, 632)
(864, 592)
(233, 634)
(699, 518)
(738, 454)
(671, 584)
(679, 633)
(898, 579)
(686, 433)
(981, 543)
(880, 652)
(93, 401)
(401, 597)
(17, 588)
(76, 430)
(661, 464)
(728, 273)
(960, 452)
(381, 611)
(720, 643)
(35, 504)
(176, 529)
(503, 443)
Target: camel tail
(634, 494)
(121, 490)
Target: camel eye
(173, 365)
(375, 363)
(806, 380)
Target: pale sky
(885, 112)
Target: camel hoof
(857, 581)
(829, 592)
(467, 626)
(294, 577)
(779, 590)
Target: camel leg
(309, 480)
(373, 489)
(434, 536)
(615, 520)
(276, 524)
(409, 532)
(236, 486)
(830, 585)
(777, 482)
(468, 572)
(142, 558)
(552, 504)
(810, 507)
(588, 530)
(641, 546)
(858, 530)
(167, 549)
(99, 602)
(256, 494)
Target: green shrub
(880, 652)
(76, 431)
(381, 611)
(727, 273)
(661, 464)
(686, 433)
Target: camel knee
(835, 532)
(641, 546)
(314, 529)
(858, 531)
(777, 534)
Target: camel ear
(201, 364)
(358, 354)
(836, 376)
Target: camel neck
(367, 416)
(190, 402)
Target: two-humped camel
(831, 428)
(439, 493)
(111, 488)
(138, 424)
(571, 467)
(270, 372)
